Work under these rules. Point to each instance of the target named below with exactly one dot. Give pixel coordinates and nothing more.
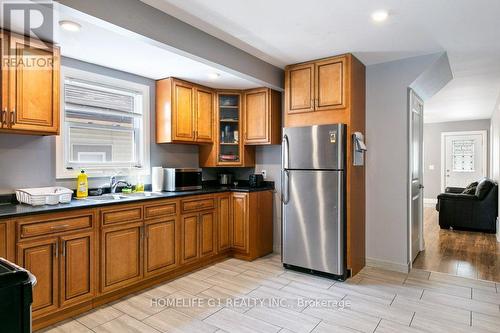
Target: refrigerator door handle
(285, 156)
(285, 188)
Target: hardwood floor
(221, 299)
(468, 254)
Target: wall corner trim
(388, 265)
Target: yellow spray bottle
(82, 185)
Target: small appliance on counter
(176, 179)
(225, 178)
(256, 180)
(16, 293)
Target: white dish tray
(44, 196)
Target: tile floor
(261, 296)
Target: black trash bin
(16, 296)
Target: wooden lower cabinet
(77, 268)
(240, 221)
(224, 223)
(208, 234)
(198, 236)
(160, 249)
(41, 257)
(189, 232)
(170, 238)
(252, 224)
(121, 257)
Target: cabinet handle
(142, 232)
(13, 117)
(56, 250)
(63, 248)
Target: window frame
(94, 171)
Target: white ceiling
(104, 44)
(289, 31)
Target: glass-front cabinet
(229, 129)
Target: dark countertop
(9, 210)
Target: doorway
(463, 158)
(416, 201)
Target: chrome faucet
(113, 183)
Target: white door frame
(483, 133)
(409, 177)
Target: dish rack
(44, 196)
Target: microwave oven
(181, 179)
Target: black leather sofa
(475, 212)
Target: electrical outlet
(264, 174)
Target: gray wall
(29, 161)
(432, 150)
(387, 158)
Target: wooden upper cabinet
(184, 112)
(4, 82)
(316, 86)
(204, 115)
(33, 86)
(160, 250)
(41, 258)
(77, 268)
(329, 85)
(299, 88)
(262, 117)
(182, 115)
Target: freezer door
(313, 220)
(314, 147)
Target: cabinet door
(257, 116)
(3, 240)
(4, 83)
(224, 225)
(41, 259)
(160, 248)
(208, 243)
(190, 238)
(240, 221)
(34, 86)
(121, 262)
(204, 115)
(299, 88)
(330, 85)
(183, 109)
(77, 268)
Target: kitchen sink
(107, 197)
(141, 194)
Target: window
(105, 127)
(463, 155)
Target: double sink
(122, 196)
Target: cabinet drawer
(121, 214)
(160, 209)
(197, 204)
(70, 223)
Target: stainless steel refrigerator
(313, 199)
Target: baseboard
(430, 202)
(388, 265)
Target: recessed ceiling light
(380, 15)
(70, 25)
(214, 76)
